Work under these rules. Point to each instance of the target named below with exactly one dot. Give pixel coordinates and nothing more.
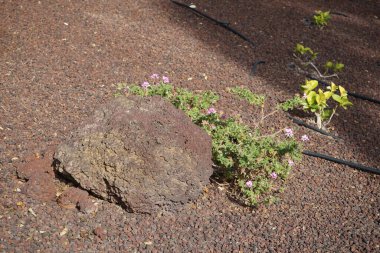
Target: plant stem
(319, 120)
(332, 114)
(269, 114)
(262, 114)
(270, 135)
(319, 73)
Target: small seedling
(305, 52)
(321, 18)
(332, 67)
(316, 101)
(307, 57)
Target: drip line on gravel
(339, 14)
(254, 66)
(355, 95)
(340, 161)
(302, 123)
(223, 24)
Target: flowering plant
(254, 165)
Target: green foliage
(242, 154)
(248, 95)
(291, 104)
(120, 88)
(316, 100)
(333, 67)
(321, 18)
(307, 57)
(305, 52)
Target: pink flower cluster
(211, 110)
(155, 78)
(289, 133)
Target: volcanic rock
(140, 152)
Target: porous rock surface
(141, 153)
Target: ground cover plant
(254, 165)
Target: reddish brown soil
(59, 59)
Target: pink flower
(305, 138)
(211, 110)
(165, 79)
(288, 132)
(290, 162)
(145, 85)
(304, 96)
(249, 184)
(155, 76)
(273, 175)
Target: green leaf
(327, 94)
(333, 87)
(338, 67)
(337, 98)
(320, 98)
(345, 103)
(327, 114)
(329, 65)
(309, 86)
(311, 97)
(343, 92)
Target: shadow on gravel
(276, 28)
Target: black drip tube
(223, 24)
(339, 14)
(301, 123)
(348, 163)
(360, 96)
(254, 66)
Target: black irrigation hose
(254, 66)
(225, 25)
(360, 96)
(302, 123)
(348, 163)
(339, 13)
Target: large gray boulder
(141, 153)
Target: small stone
(100, 232)
(148, 243)
(70, 198)
(64, 231)
(30, 210)
(35, 166)
(41, 187)
(86, 206)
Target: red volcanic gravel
(60, 59)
